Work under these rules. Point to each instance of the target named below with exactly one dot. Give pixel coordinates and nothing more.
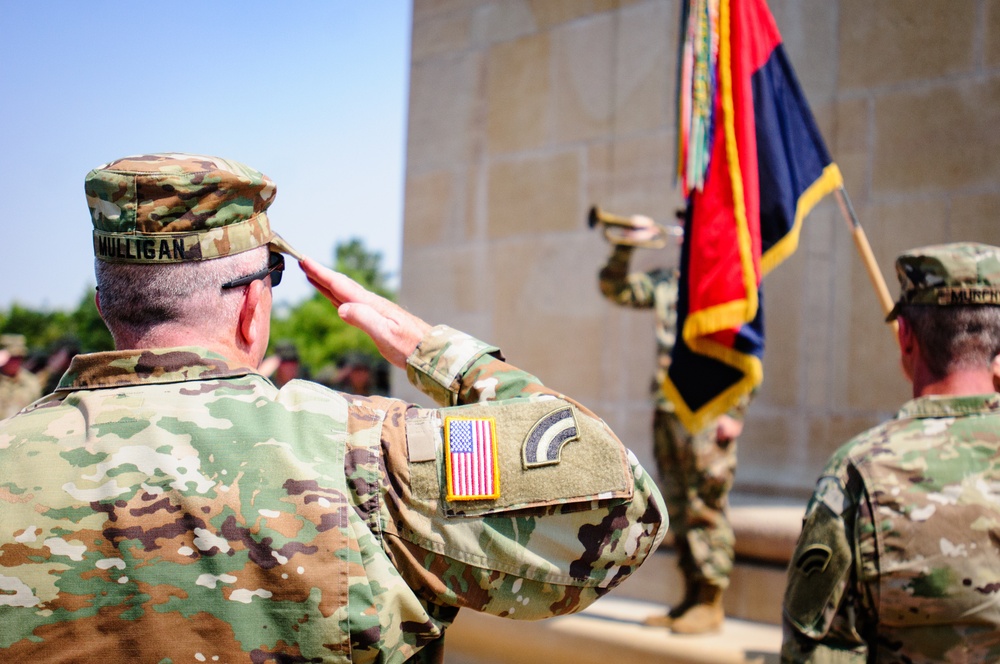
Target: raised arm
(558, 512)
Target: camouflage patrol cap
(15, 344)
(962, 273)
(355, 360)
(173, 207)
(286, 350)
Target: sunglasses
(275, 266)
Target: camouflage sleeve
(439, 361)
(454, 368)
(630, 290)
(823, 605)
(567, 512)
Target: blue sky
(312, 93)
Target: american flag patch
(471, 458)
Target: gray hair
(955, 337)
(136, 299)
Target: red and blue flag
(753, 164)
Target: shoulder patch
(819, 573)
(545, 441)
(594, 467)
(814, 559)
(471, 458)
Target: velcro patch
(545, 441)
(818, 577)
(471, 464)
(423, 436)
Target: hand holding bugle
(634, 231)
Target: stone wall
(525, 113)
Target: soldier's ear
(254, 318)
(905, 335)
(97, 302)
(908, 347)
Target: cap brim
(278, 243)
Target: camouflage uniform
(23, 387)
(18, 391)
(898, 556)
(897, 561)
(696, 470)
(163, 505)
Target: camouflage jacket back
(899, 559)
(163, 506)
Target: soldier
(169, 503)
(696, 469)
(18, 386)
(289, 364)
(898, 559)
(57, 362)
(354, 374)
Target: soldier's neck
(958, 383)
(165, 337)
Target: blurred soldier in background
(18, 386)
(899, 555)
(354, 375)
(289, 364)
(696, 469)
(57, 362)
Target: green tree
(40, 328)
(88, 326)
(43, 329)
(365, 267)
(319, 334)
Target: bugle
(615, 229)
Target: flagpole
(865, 249)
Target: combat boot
(704, 615)
(665, 620)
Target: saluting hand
(395, 331)
(728, 428)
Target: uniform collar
(146, 367)
(948, 406)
